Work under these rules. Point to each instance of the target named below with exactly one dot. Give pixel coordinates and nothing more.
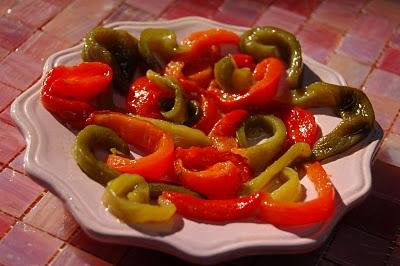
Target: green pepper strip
(351, 104)
(179, 112)
(156, 189)
(118, 49)
(289, 191)
(183, 136)
(262, 42)
(127, 197)
(87, 140)
(260, 155)
(158, 46)
(298, 150)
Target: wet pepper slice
(68, 91)
(144, 136)
(116, 48)
(214, 210)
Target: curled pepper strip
(86, 141)
(116, 48)
(179, 112)
(351, 104)
(298, 150)
(289, 191)
(144, 136)
(299, 213)
(127, 197)
(262, 42)
(260, 155)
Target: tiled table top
(358, 38)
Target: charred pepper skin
(350, 104)
(262, 42)
(118, 49)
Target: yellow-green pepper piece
(262, 42)
(351, 104)
(260, 155)
(156, 189)
(127, 197)
(86, 141)
(158, 46)
(298, 150)
(118, 49)
(289, 191)
(179, 112)
(183, 136)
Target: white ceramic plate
(48, 159)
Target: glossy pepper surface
(262, 42)
(116, 48)
(87, 140)
(351, 104)
(127, 197)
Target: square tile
(181, 8)
(372, 26)
(354, 247)
(33, 12)
(396, 126)
(383, 83)
(25, 245)
(386, 180)
(386, 8)
(243, 13)
(18, 192)
(353, 71)
(390, 60)
(281, 18)
(18, 163)
(304, 8)
(335, 15)
(126, 13)
(6, 222)
(108, 252)
(155, 7)
(6, 117)
(19, 71)
(395, 41)
(71, 256)
(7, 95)
(51, 215)
(390, 150)
(11, 142)
(385, 109)
(60, 3)
(86, 7)
(13, 33)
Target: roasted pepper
(116, 48)
(351, 104)
(86, 141)
(144, 136)
(290, 190)
(68, 92)
(299, 213)
(261, 155)
(267, 76)
(214, 210)
(262, 42)
(127, 197)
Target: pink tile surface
(335, 14)
(7, 95)
(19, 71)
(385, 109)
(304, 8)
(18, 163)
(361, 49)
(396, 126)
(390, 150)
(395, 41)
(18, 192)
(33, 12)
(386, 180)
(372, 26)
(243, 13)
(50, 215)
(182, 8)
(6, 222)
(281, 18)
(86, 7)
(25, 245)
(11, 142)
(42, 44)
(6, 118)
(390, 60)
(71, 256)
(143, 256)
(108, 252)
(127, 13)
(386, 84)
(13, 33)
(60, 3)
(155, 7)
(318, 40)
(353, 71)
(5, 5)
(3, 53)
(385, 8)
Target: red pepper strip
(66, 91)
(267, 75)
(244, 60)
(145, 137)
(144, 98)
(214, 210)
(201, 78)
(300, 125)
(210, 114)
(223, 134)
(299, 213)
